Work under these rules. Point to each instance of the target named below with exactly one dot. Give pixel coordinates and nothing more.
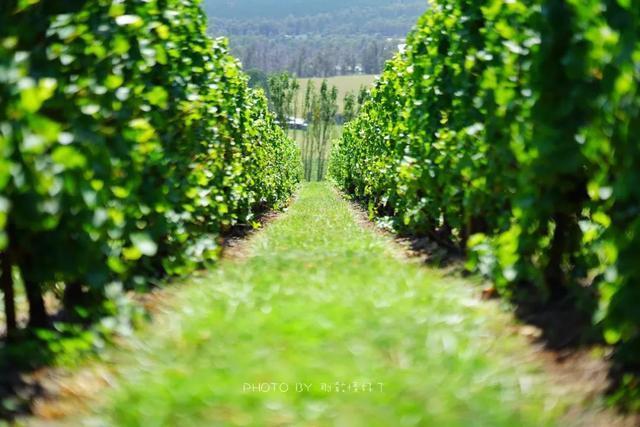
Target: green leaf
(158, 96)
(33, 95)
(68, 157)
(144, 244)
(129, 20)
(612, 336)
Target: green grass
(318, 299)
(345, 84)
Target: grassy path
(321, 300)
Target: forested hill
(281, 8)
(391, 18)
(314, 37)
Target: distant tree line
(391, 20)
(335, 38)
(317, 56)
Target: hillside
(254, 9)
(313, 39)
(271, 18)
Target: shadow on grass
(20, 357)
(566, 327)
(565, 324)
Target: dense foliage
(130, 141)
(509, 129)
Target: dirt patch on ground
(69, 394)
(237, 243)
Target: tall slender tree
(350, 107)
(307, 148)
(292, 98)
(328, 112)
